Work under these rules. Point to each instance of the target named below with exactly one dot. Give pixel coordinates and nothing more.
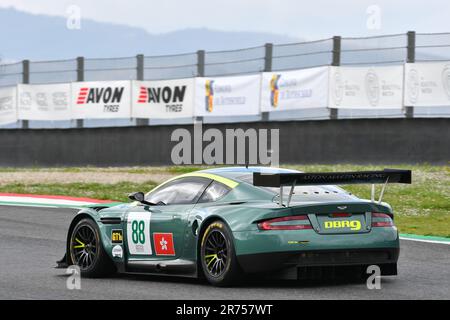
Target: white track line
(424, 240)
(44, 201)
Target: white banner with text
(427, 84)
(8, 105)
(101, 100)
(227, 96)
(366, 87)
(44, 102)
(163, 99)
(298, 89)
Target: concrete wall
(362, 141)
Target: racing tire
(218, 256)
(87, 252)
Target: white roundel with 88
(138, 233)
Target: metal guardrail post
(200, 73)
(410, 58)
(336, 51)
(201, 63)
(80, 68)
(25, 79)
(268, 58)
(25, 71)
(80, 77)
(140, 67)
(336, 61)
(140, 122)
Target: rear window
(298, 190)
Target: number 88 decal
(138, 235)
(138, 232)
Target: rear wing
(331, 178)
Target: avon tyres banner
(163, 99)
(227, 96)
(366, 87)
(44, 101)
(307, 88)
(8, 110)
(101, 100)
(427, 84)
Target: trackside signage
(44, 102)
(427, 84)
(307, 88)
(366, 87)
(163, 99)
(101, 100)
(8, 105)
(226, 96)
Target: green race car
(224, 223)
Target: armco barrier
(375, 141)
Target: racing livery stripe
(228, 182)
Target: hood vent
(110, 220)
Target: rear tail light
(286, 223)
(381, 220)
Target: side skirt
(177, 267)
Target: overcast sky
(301, 19)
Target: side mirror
(137, 196)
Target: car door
(214, 192)
(156, 232)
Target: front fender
(82, 214)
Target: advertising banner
(298, 89)
(163, 99)
(101, 100)
(44, 101)
(366, 87)
(427, 84)
(227, 96)
(8, 109)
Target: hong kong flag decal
(163, 244)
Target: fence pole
(268, 58)
(200, 73)
(80, 77)
(201, 63)
(140, 67)
(336, 61)
(25, 80)
(336, 51)
(140, 122)
(411, 58)
(411, 46)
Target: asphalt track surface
(32, 239)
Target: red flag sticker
(163, 244)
